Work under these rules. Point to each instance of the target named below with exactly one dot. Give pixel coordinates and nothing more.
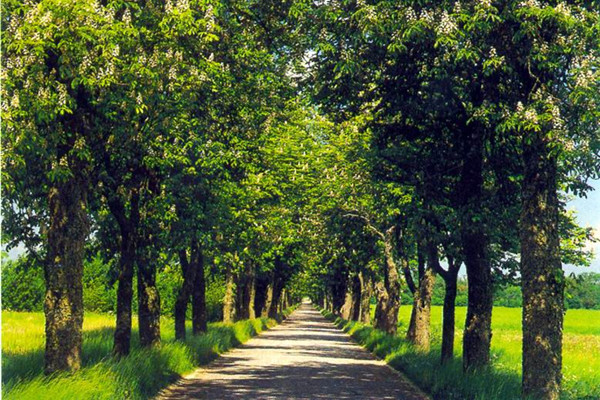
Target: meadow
(581, 356)
(141, 375)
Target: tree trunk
(122, 337)
(128, 228)
(388, 292)
(418, 331)
(199, 323)
(268, 301)
(478, 325)
(246, 293)
(541, 274)
(183, 296)
(356, 297)
(230, 294)
(63, 304)
(449, 318)
(275, 303)
(365, 298)
(148, 304)
(346, 310)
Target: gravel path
(306, 357)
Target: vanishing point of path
(306, 357)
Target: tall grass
(502, 381)
(139, 376)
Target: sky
(588, 214)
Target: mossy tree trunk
(541, 273)
(183, 295)
(418, 330)
(229, 306)
(388, 291)
(356, 297)
(478, 325)
(450, 277)
(63, 270)
(268, 300)
(128, 228)
(246, 293)
(148, 303)
(199, 323)
(276, 300)
(346, 310)
(366, 292)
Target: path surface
(306, 357)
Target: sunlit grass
(139, 376)
(581, 356)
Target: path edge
(400, 374)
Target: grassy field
(139, 376)
(581, 356)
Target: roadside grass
(141, 375)
(502, 381)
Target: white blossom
(411, 16)
(183, 5)
(446, 25)
(127, 17)
(62, 95)
(520, 107)
(531, 115)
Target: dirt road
(306, 357)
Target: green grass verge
(502, 381)
(141, 375)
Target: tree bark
(247, 293)
(478, 325)
(346, 310)
(63, 303)
(541, 273)
(388, 291)
(418, 330)
(183, 295)
(128, 228)
(268, 300)
(365, 298)
(148, 304)
(450, 277)
(356, 297)
(275, 303)
(230, 295)
(199, 323)
(449, 315)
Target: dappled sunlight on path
(306, 357)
